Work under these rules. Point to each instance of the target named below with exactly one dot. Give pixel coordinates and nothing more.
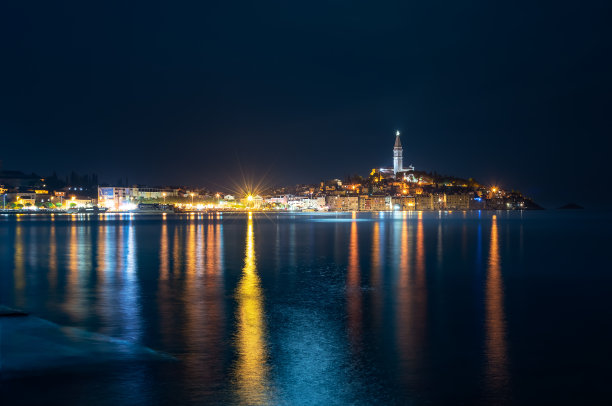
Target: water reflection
(164, 259)
(195, 320)
(252, 365)
(19, 266)
(496, 348)
(440, 246)
(75, 300)
(52, 257)
(213, 299)
(127, 296)
(411, 299)
(377, 248)
(101, 255)
(353, 290)
(404, 312)
(202, 301)
(318, 341)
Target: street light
(192, 199)
(164, 195)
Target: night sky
(513, 93)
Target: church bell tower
(398, 161)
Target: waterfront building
(306, 203)
(438, 201)
(79, 202)
(374, 203)
(458, 201)
(114, 197)
(342, 203)
(424, 202)
(403, 203)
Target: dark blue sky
(516, 93)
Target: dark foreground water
(308, 309)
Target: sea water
(307, 308)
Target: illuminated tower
(398, 161)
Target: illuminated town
(394, 188)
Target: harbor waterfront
(390, 307)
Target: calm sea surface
(307, 309)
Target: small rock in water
(571, 206)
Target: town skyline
(265, 183)
(388, 188)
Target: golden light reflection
(102, 265)
(101, 254)
(376, 272)
(195, 307)
(496, 348)
(211, 246)
(420, 256)
(412, 297)
(107, 253)
(75, 304)
(420, 294)
(213, 341)
(176, 254)
(19, 268)
(376, 255)
(190, 255)
(353, 288)
(73, 269)
(169, 323)
(164, 259)
(52, 278)
(404, 310)
(252, 368)
(405, 248)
